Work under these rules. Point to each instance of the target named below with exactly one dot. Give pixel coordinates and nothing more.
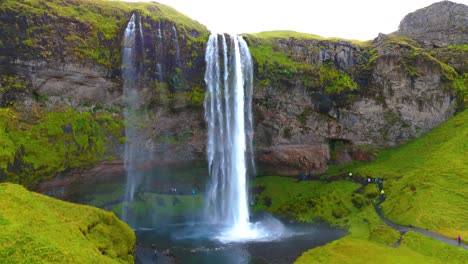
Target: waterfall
(175, 39)
(159, 47)
(228, 114)
(131, 80)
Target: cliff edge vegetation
(38, 229)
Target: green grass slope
(426, 180)
(345, 204)
(414, 248)
(426, 185)
(38, 229)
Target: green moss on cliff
(39, 229)
(37, 144)
(461, 86)
(278, 65)
(64, 30)
(335, 81)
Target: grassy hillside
(426, 180)
(38, 229)
(414, 248)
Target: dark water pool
(189, 245)
(165, 220)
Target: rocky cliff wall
(402, 92)
(438, 25)
(316, 101)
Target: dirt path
(403, 229)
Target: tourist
(380, 183)
(302, 177)
(459, 240)
(382, 195)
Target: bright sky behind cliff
(350, 19)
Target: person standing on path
(459, 240)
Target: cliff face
(61, 87)
(401, 92)
(316, 101)
(438, 25)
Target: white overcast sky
(350, 19)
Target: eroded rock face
(440, 24)
(404, 97)
(72, 85)
(342, 53)
(294, 159)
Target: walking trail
(403, 229)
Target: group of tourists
(379, 183)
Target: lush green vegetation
(414, 248)
(37, 144)
(281, 66)
(461, 86)
(335, 81)
(423, 182)
(39, 229)
(276, 67)
(424, 179)
(344, 204)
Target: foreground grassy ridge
(37, 144)
(39, 229)
(426, 179)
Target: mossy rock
(37, 144)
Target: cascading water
(228, 113)
(175, 39)
(159, 47)
(130, 75)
